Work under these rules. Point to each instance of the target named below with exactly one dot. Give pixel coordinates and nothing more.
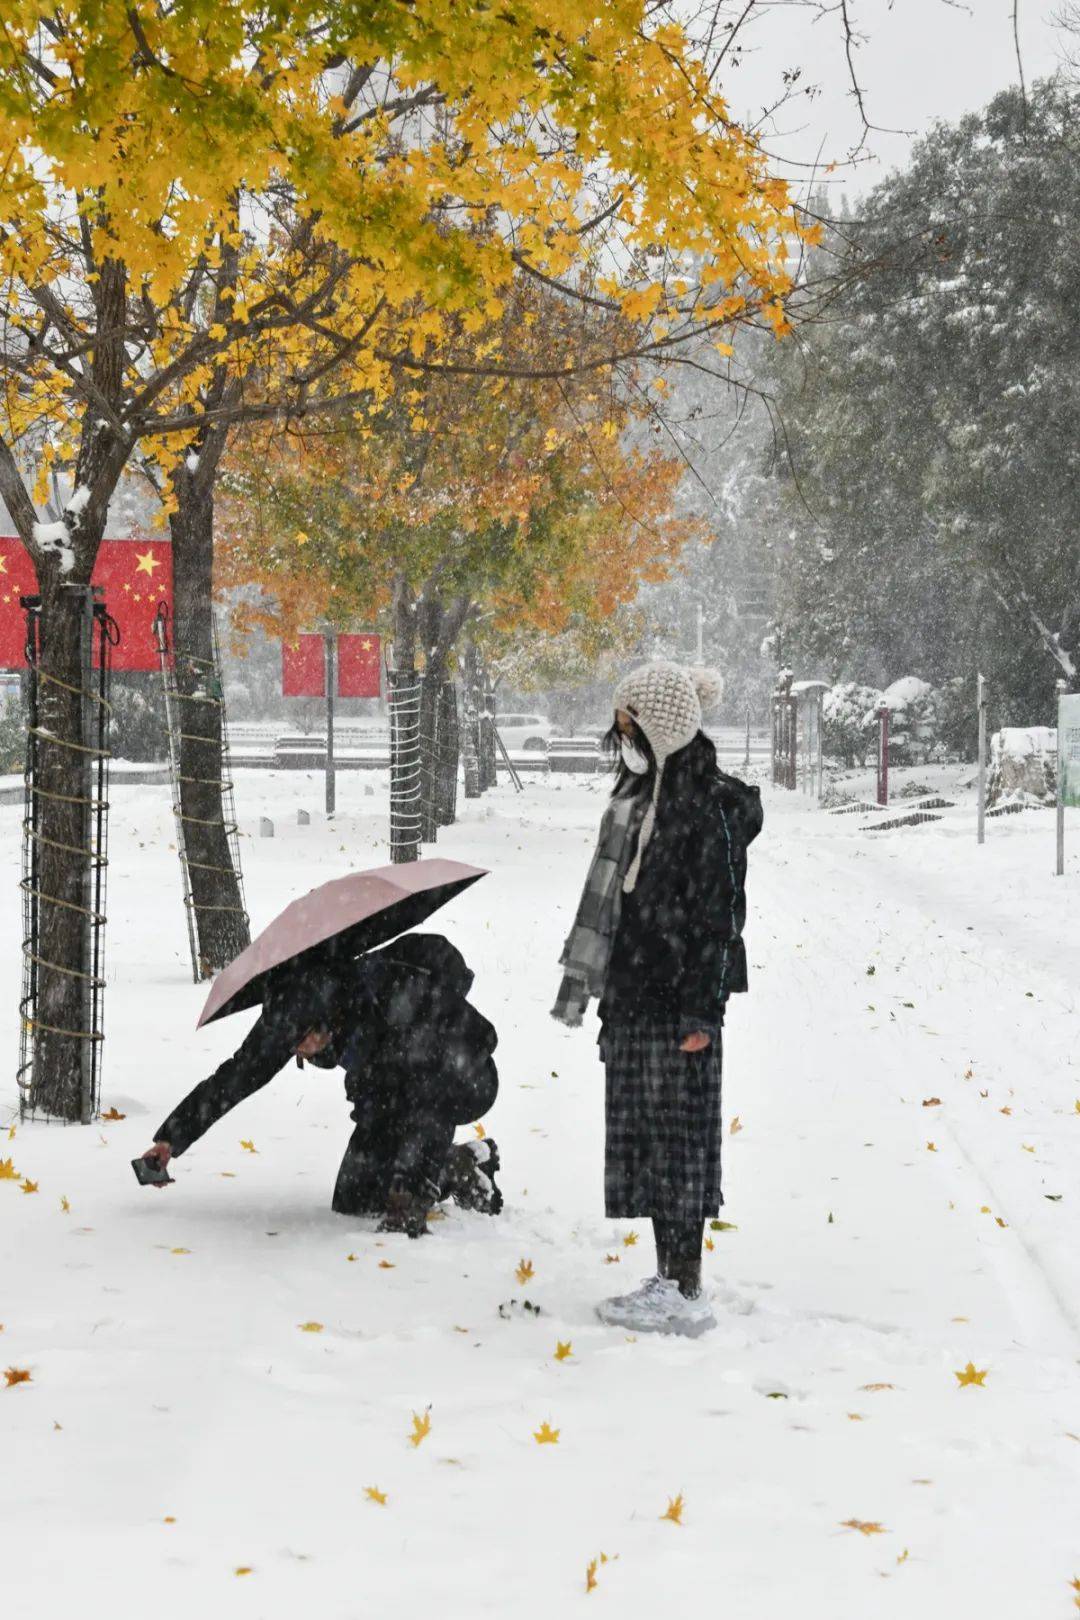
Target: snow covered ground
(904, 1188)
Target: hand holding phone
(152, 1169)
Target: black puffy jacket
(678, 951)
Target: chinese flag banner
(136, 576)
(17, 578)
(303, 668)
(359, 666)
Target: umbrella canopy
(335, 922)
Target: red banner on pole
(135, 575)
(359, 663)
(303, 668)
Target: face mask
(633, 758)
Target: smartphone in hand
(150, 1173)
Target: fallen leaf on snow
(248, 1147)
(545, 1435)
(865, 1527)
(1005, 1110)
(480, 1131)
(971, 1375)
(722, 1226)
(386, 1265)
(243, 1569)
(29, 1186)
(8, 1171)
(931, 1147)
(563, 1351)
(931, 1102)
(612, 1259)
(710, 1245)
(856, 1417)
(1000, 1221)
(179, 1251)
(168, 1519)
(735, 1127)
(1027, 1147)
(65, 1206)
(350, 1257)
(524, 1271)
(629, 1240)
(873, 1388)
(674, 1509)
(16, 1375)
(310, 1327)
(903, 1558)
(373, 1494)
(113, 1113)
(421, 1428)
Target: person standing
(657, 942)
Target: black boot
(469, 1176)
(408, 1207)
(684, 1259)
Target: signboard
(359, 666)
(1069, 747)
(135, 575)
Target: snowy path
(185, 1390)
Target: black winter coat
(408, 1021)
(678, 952)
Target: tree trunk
(217, 901)
(472, 722)
(404, 733)
(62, 869)
(449, 756)
(430, 718)
(488, 748)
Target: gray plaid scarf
(588, 946)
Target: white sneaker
(658, 1306)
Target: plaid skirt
(663, 1124)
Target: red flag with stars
(359, 665)
(136, 576)
(17, 578)
(303, 667)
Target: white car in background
(524, 732)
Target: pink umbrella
(337, 921)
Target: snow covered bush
(913, 725)
(137, 721)
(12, 738)
(849, 726)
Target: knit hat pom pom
(709, 686)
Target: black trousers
(404, 1127)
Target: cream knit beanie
(666, 701)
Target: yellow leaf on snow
(480, 1131)
(113, 1113)
(735, 1127)
(243, 1569)
(971, 1375)
(310, 1327)
(629, 1240)
(65, 1206)
(873, 1388)
(386, 1265)
(350, 1257)
(8, 1171)
(931, 1147)
(674, 1509)
(612, 1259)
(373, 1494)
(563, 1351)
(179, 1251)
(29, 1186)
(865, 1527)
(421, 1428)
(545, 1435)
(524, 1271)
(248, 1147)
(16, 1375)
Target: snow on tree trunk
(472, 722)
(448, 756)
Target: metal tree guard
(404, 691)
(210, 693)
(98, 633)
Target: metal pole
(883, 756)
(980, 700)
(1059, 869)
(330, 664)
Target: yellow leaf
(480, 1131)
(971, 1375)
(1027, 1147)
(421, 1428)
(1000, 1222)
(179, 1251)
(563, 1351)
(590, 1576)
(168, 1519)
(984, 1209)
(310, 1327)
(674, 1510)
(16, 1375)
(350, 1257)
(29, 1186)
(629, 1240)
(65, 1206)
(243, 1569)
(865, 1527)
(11, 1128)
(735, 1127)
(545, 1435)
(903, 1558)
(386, 1265)
(8, 1171)
(856, 1417)
(524, 1271)
(1005, 1110)
(248, 1147)
(612, 1259)
(930, 1147)
(113, 1113)
(710, 1245)
(872, 1388)
(724, 348)
(373, 1494)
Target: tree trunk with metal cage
(404, 695)
(210, 847)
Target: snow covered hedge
(849, 724)
(1023, 764)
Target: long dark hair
(683, 772)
